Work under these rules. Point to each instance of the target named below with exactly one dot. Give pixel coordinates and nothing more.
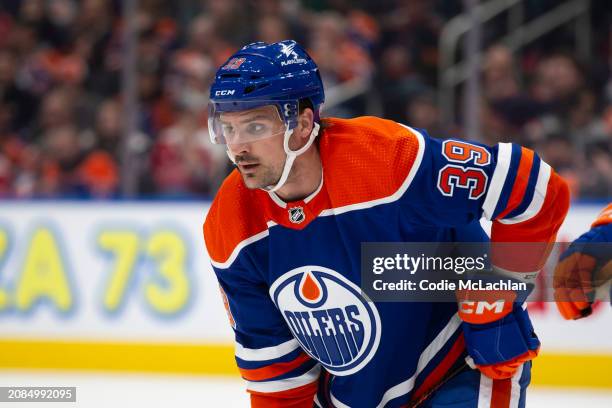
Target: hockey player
(284, 235)
(584, 266)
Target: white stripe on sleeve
(539, 195)
(504, 156)
(287, 383)
(265, 353)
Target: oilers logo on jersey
(329, 317)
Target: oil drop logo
(310, 290)
(329, 317)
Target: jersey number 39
(472, 178)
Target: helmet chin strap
(292, 155)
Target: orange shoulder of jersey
(605, 217)
(232, 219)
(367, 159)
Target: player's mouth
(248, 168)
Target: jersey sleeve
(526, 200)
(269, 358)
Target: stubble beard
(264, 176)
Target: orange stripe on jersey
(501, 393)
(541, 228)
(442, 369)
(300, 397)
(233, 217)
(544, 225)
(605, 217)
(520, 183)
(273, 370)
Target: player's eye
(256, 128)
(227, 129)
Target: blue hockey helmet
(277, 75)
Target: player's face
(255, 140)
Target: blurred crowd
(62, 113)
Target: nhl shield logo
(296, 215)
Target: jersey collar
(295, 214)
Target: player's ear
(305, 123)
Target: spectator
(397, 82)
(597, 178)
(558, 79)
(338, 56)
(422, 112)
(61, 101)
(19, 104)
(183, 161)
(499, 76)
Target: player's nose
(239, 148)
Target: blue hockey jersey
(290, 272)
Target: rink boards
(127, 286)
